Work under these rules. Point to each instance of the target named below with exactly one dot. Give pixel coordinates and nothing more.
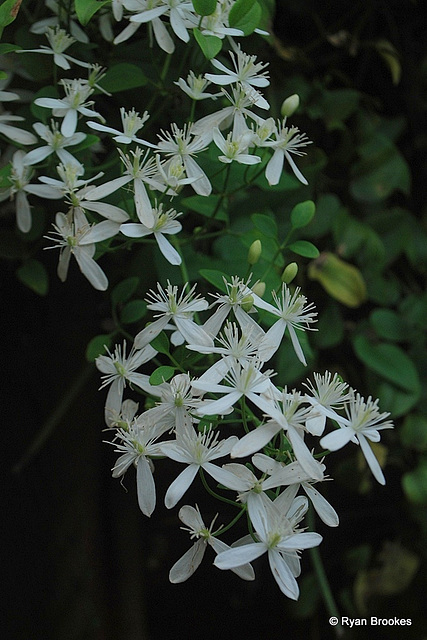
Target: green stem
(212, 492)
(322, 578)
(221, 530)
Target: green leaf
(123, 76)
(88, 142)
(396, 400)
(124, 290)
(343, 281)
(415, 484)
(96, 346)
(302, 214)
(413, 432)
(41, 113)
(245, 15)
(389, 361)
(4, 176)
(133, 311)
(34, 275)
(161, 374)
(204, 7)
(205, 206)
(389, 325)
(210, 45)
(216, 278)
(5, 47)
(85, 9)
(8, 12)
(161, 343)
(304, 248)
(265, 224)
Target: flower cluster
(236, 409)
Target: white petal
(337, 439)
(188, 563)
(91, 270)
(167, 249)
(255, 440)
(325, 511)
(294, 168)
(180, 485)
(148, 334)
(283, 575)
(23, 212)
(238, 556)
(373, 463)
(274, 167)
(98, 193)
(145, 487)
(143, 206)
(69, 123)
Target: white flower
(216, 24)
(55, 144)
(195, 87)
(132, 122)
(183, 144)
(196, 450)
(288, 141)
(164, 223)
(363, 423)
(294, 474)
(75, 236)
(19, 178)
(170, 176)
(286, 413)
(235, 148)
(59, 41)
(247, 72)
(138, 169)
(328, 394)
(241, 100)
(119, 369)
(62, 16)
(76, 94)
(14, 133)
(293, 314)
(279, 537)
(173, 412)
(191, 560)
(137, 446)
(180, 309)
(238, 299)
(178, 11)
(242, 380)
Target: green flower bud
(254, 252)
(247, 303)
(290, 105)
(259, 289)
(289, 273)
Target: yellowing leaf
(343, 281)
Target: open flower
(363, 422)
(55, 144)
(59, 41)
(165, 223)
(196, 450)
(132, 122)
(191, 560)
(275, 525)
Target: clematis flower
(75, 236)
(195, 87)
(275, 525)
(75, 102)
(196, 450)
(363, 422)
(288, 141)
(132, 122)
(293, 314)
(55, 144)
(235, 148)
(247, 72)
(119, 369)
(327, 395)
(137, 446)
(191, 560)
(59, 41)
(14, 133)
(165, 223)
(178, 308)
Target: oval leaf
(302, 214)
(124, 290)
(96, 346)
(245, 15)
(161, 374)
(304, 248)
(34, 275)
(133, 311)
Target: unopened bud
(289, 272)
(254, 252)
(247, 303)
(290, 105)
(259, 289)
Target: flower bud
(254, 252)
(247, 303)
(289, 273)
(290, 105)
(259, 289)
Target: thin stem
(212, 492)
(322, 578)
